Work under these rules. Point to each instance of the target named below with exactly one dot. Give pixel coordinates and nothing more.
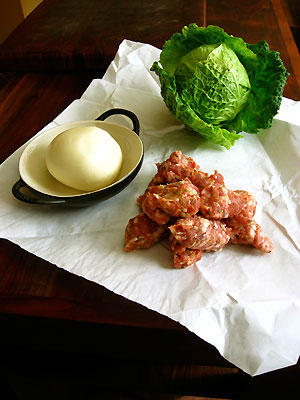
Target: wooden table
(48, 314)
(76, 35)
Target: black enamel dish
(37, 186)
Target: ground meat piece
(141, 198)
(214, 198)
(243, 205)
(248, 233)
(200, 233)
(218, 202)
(142, 233)
(237, 202)
(178, 167)
(183, 257)
(178, 199)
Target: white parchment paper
(243, 302)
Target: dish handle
(122, 111)
(28, 195)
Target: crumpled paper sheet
(243, 302)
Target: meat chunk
(248, 233)
(243, 205)
(218, 202)
(178, 199)
(200, 233)
(142, 233)
(176, 168)
(183, 257)
(214, 198)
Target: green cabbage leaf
(218, 85)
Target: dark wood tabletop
(74, 35)
(53, 56)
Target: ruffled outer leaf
(266, 72)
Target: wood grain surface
(258, 20)
(72, 34)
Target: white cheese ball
(84, 158)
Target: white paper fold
(244, 303)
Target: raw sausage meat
(248, 233)
(243, 205)
(200, 233)
(218, 202)
(178, 199)
(178, 167)
(196, 210)
(142, 233)
(183, 257)
(214, 198)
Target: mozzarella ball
(84, 158)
